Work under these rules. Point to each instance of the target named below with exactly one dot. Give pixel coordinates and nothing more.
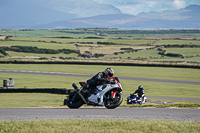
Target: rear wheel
(111, 103)
(127, 100)
(74, 101)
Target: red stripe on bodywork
(114, 93)
(115, 81)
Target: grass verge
(165, 105)
(98, 126)
(16, 100)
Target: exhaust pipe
(78, 91)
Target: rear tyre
(111, 103)
(127, 100)
(74, 101)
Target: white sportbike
(108, 95)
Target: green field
(101, 32)
(131, 41)
(38, 44)
(143, 43)
(58, 40)
(140, 50)
(180, 42)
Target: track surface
(122, 113)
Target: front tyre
(111, 103)
(74, 101)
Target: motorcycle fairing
(98, 98)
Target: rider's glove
(108, 80)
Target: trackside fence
(62, 91)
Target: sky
(135, 7)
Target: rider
(140, 92)
(100, 78)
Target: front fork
(113, 94)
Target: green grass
(108, 49)
(186, 52)
(109, 33)
(139, 55)
(41, 81)
(39, 45)
(190, 54)
(63, 40)
(130, 41)
(154, 105)
(48, 33)
(188, 74)
(193, 59)
(171, 42)
(34, 56)
(16, 100)
(169, 101)
(98, 126)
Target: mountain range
(55, 14)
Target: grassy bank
(125, 71)
(98, 126)
(16, 100)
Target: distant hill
(54, 14)
(106, 21)
(176, 19)
(82, 8)
(182, 14)
(18, 14)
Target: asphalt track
(121, 113)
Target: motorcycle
(108, 95)
(133, 99)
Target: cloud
(131, 9)
(179, 4)
(136, 6)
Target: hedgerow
(30, 49)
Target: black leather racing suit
(140, 93)
(98, 79)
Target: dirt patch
(2, 37)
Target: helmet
(109, 71)
(140, 87)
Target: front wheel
(111, 103)
(74, 101)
